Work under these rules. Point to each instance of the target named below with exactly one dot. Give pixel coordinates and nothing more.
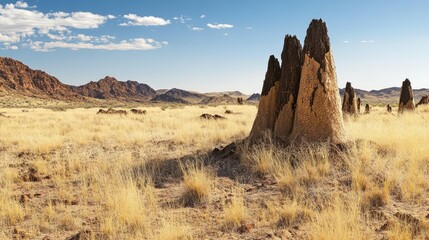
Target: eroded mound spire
(272, 75)
(318, 116)
(406, 100)
(317, 42)
(266, 116)
(349, 100)
(292, 60)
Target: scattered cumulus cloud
(219, 26)
(8, 46)
(367, 41)
(18, 22)
(132, 44)
(182, 19)
(346, 41)
(111, 16)
(197, 29)
(136, 20)
(225, 34)
(203, 16)
(20, 4)
(81, 37)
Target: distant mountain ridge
(111, 88)
(386, 95)
(18, 78)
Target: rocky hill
(224, 99)
(230, 93)
(111, 88)
(254, 97)
(185, 95)
(386, 95)
(165, 98)
(18, 78)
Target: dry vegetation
(153, 177)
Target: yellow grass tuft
(197, 183)
(235, 212)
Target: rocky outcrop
(211, 117)
(183, 94)
(168, 99)
(300, 100)
(215, 100)
(318, 116)
(111, 88)
(19, 78)
(266, 116)
(406, 100)
(292, 60)
(423, 101)
(349, 100)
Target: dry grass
(122, 177)
(235, 211)
(197, 183)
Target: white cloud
(104, 38)
(203, 16)
(225, 34)
(21, 23)
(249, 28)
(83, 37)
(20, 4)
(56, 37)
(219, 26)
(137, 44)
(67, 36)
(144, 21)
(8, 46)
(17, 23)
(9, 38)
(182, 19)
(197, 29)
(346, 41)
(367, 41)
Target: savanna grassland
(154, 176)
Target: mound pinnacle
(349, 100)
(318, 115)
(406, 100)
(292, 60)
(266, 116)
(272, 75)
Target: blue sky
(213, 45)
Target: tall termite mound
(292, 59)
(406, 100)
(349, 100)
(302, 102)
(266, 117)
